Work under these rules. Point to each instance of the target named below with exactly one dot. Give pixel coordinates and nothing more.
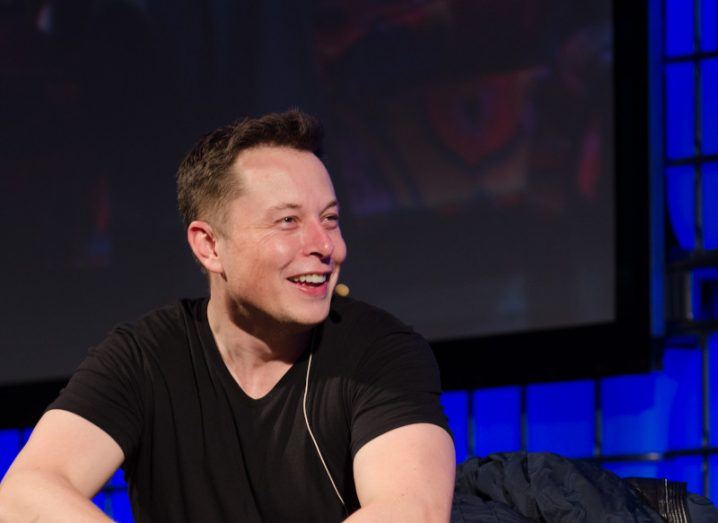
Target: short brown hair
(205, 179)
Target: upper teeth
(311, 278)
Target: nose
(318, 241)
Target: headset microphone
(341, 290)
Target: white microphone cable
(311, 434)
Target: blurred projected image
(470, 143)
(473, 148)
(87, 178)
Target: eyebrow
(284, 206)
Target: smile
(310, 279)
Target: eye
(288, 221)
(332, 219)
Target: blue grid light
(705, 294)
(679, 28)
(684, 468)
(709, 27)
(9, 447)
(636, 469)
(561, 419)
(680, 115)
(713, 392)
(710, 201)
(636, 413)
(121, 509)
(709, 105)
(681, 204)
(456, 408)
(682, 370)
(497, 419)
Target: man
(270, 401)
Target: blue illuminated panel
(679, 27)
(713, 490)
(709, 105)
(710, 199)
(680, 117)
(686, 469)
(709, 25)
(9, 447)
(103, 502)
(705, 294)
(561, 419)
(497, 419)
(636, 413)
(121, 510)
(683, 372)
(113, 499)
(117, 480)
(713, 386)
(456, 408)
(681, 203)
(116, 501)
(634, 469)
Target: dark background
(471, 144)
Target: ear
(202, 240)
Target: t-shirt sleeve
(107, 390)
(397, 383)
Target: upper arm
(412, 465)
(69, 447)
(396, 384)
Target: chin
(310, 315)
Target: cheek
(256, 263)
(277, 253)
(282, 254)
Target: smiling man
(273, 399)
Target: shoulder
(389, 372)
(164, 321)
(158, 331)
(366, 336)
(363, 320)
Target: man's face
(281, 246)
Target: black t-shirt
(197, 448)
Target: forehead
(272, 173)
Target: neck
(248, 342)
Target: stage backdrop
(470, 145)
